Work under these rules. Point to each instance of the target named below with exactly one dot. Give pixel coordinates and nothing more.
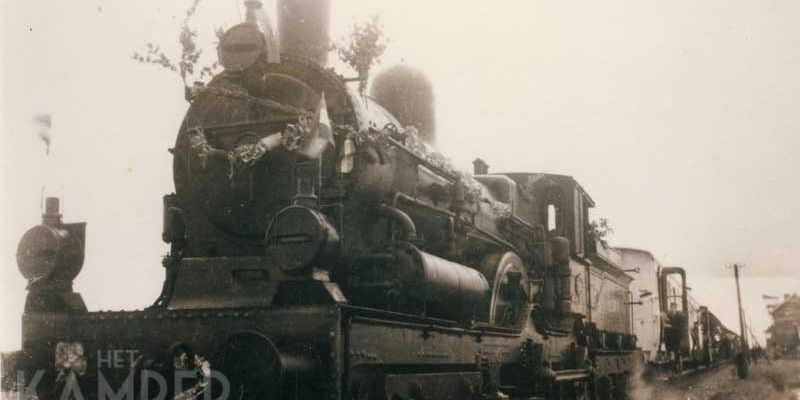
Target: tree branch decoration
(363, 48)
(601, 230)
(187, 65)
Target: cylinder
(304, 28)
(258, 369)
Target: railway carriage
(674, 331)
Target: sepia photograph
(399, 200)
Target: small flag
(322, 135)
(323, 121)
(43, 124)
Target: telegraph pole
(742, 358)
(739, 301)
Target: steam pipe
(451, 221)
(395, 215)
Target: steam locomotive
(321, 248)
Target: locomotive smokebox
(303, 27)
(52, 250)
(408, 95)
(50, 256)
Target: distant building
(783, 337)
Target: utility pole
(742, 359)
(739, 301)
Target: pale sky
(680, 118)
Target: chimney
(252, 6)
(303, 27)
(51, 216)
(480, 167)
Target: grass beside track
(779, 380)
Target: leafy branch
(601, 230)
(362, 49)
(187, 64)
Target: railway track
(700, 371)
(671, 378)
